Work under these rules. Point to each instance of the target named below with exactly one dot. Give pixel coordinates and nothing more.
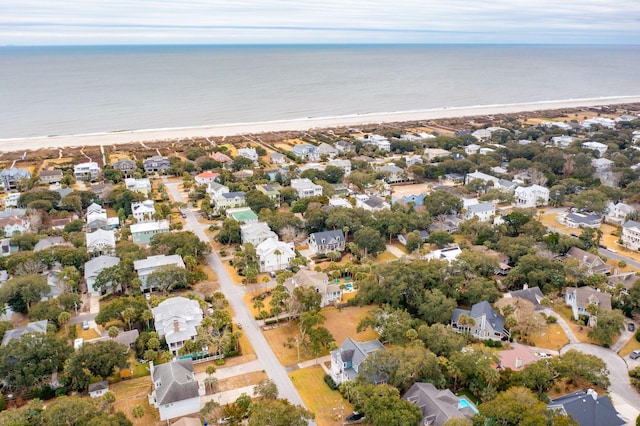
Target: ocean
(48, 91)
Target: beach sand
(223, 130)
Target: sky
(88, 22)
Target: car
(613, 250)
(354, 417)
(635, 354)
(239, 326)
(272, 274)
(543, 355)
(574, 235)
(85, 325)
(147, 296)
(602, 246)
(182, 215)
(631, 327)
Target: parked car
(543, 355)
(85, 325)
(635, 354)
(602, 246)
(631, 327)
(613, 250)
(239, 326)
(574, 235)
(354, 417)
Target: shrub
(329, 381)
(638, 335)
(220, 361)
(551, 319)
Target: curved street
(234, 295)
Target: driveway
(234, 295)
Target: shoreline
(301, 124)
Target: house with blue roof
(487, 322)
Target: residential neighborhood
(430, 272)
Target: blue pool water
(464, 402)
(349, 286)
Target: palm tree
(147, 316)
(128, 314)
(64, 318)
(113, 332)
(258, 304)
(211, 383)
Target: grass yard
(554, 338)
(241, 381)
(631, 346)
(581, 332)
(248, 300)
(237, 279)
(131, 393)
(385, 257)
(325, 403)
(87, 334)
(341, 323)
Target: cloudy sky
(65, 22)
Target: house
(578, 298)
(580, 220)
(242, 174)
(6, 248)
(101, 242)
(143, 232)
(515, 359)
(483, 211)
(272, 191)
(50, 242)
(255, 233)
(242, 215)
(432, 154)
(562, 141)
(11, 200)
(631, 235)
(215, 190)
(345, 165)
(487, 323)
(449, 254)
(402, 238)
(340, 202)
(593, 262)
(274, 255)
(177, 392)
(438, 405)
(143, 186)
(448, 223)
(587, 408)
(471, 149)
(531, 196)
(277, 158)
(327, 241)
(15, 225)
(126, 167)
(346, 360)
(343, 146)
(98, 389)
(97, 218)
(602, 165)
(249, 153)
(225, 160)
(93, 268)
(88, 171)
(340, 189)
(617, 213)
(559, 124)
(306, 152)
(146, 267)
(207, 177)
(305, 278)
(393, 173)
(156, 164)
(143, 211)
(101, 189)
(379, 141)
(50, 176)
(10, 178)
(607, 123)
(188, 421)
(486, 151)
(327, 150)
(305, 188)
(532, 294)
(371, 203)
(625, 279)
(177, 320)
(230, 200)
(497, 183)
(32, 327)
(596, 146)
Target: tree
(242, 163)
(391, 324)
(518, 407)
(608, 325)
(385, 408)
(98, 359)
(257, 201)
(440, 203)
(63, 319)
(441, 339)
(31, 359)
(266, 389)
(440, 238)
(20, 292)
(369, 240)
(121, 199)
(591, 200)
(436, 307)
(414, 241)
(183, 243)
(581, 369)
(278, 413)
(167, 278)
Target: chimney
(584, 259)
(176, 326)
(593, 394)
(525, 286)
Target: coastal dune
(151, 135)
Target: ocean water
(73, 90)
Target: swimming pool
(464, 402)
(348, 287)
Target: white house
(531, 196)
(306, 188)
(448, 253)
(144, 211)
(631, 235)
(176, 389)
(471, 149)
(206, 177)
(142, 185)
(230, 200)
(177, 320)
(274, 255)
(607, 123)
(93, 268)
(562, 141)
(497, 183)
(96, 217)
(277, 158)
(559, 124)
(145, 267)
(249, 153)
(345, 165)
(307, 151)
(371, 203)
(326, 149)
(483, 211)
(101, 242)
(255, 233)
(346, 360)
(617, 213)
(141, 233)
(602, 164)
(596, 146)
(86, 171)
(96, 390)
(13, 225)
(215, 190)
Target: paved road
(82, 317)
(234, 295)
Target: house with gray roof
(230, 200)
(10, 178)
(532, 294)
(580, 220)
(330, 292)
(96, 390)
(393, 173)
(487, 322)
(125, 166)
(326, 149)
(177, 391)
(157, 163)
(145, 267)
(255, 233)
(51, 176)
(277, 158)
(141, 233)
(177, 320)
(437, 405)
(88, 171)
(346, 360)
(32, 327)
(326, 241)
(588, 408)
(93, 268)
(579, 298)
(592, 262)
(101, 242)
(483, 211)
(307, 152)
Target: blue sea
(74, 90)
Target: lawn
(631, 346)
(325, 403)
(241, 381)
(134, 392)
(554, 338)
(86, 334)
(384, 257)
(237, 279)
(341, 323)
(249, 300)
(581, 332)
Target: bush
(62, 391)
(638, 335)
(220, 361)
(329, 381)
(492, 343)
(551, 319)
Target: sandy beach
(152, 135)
